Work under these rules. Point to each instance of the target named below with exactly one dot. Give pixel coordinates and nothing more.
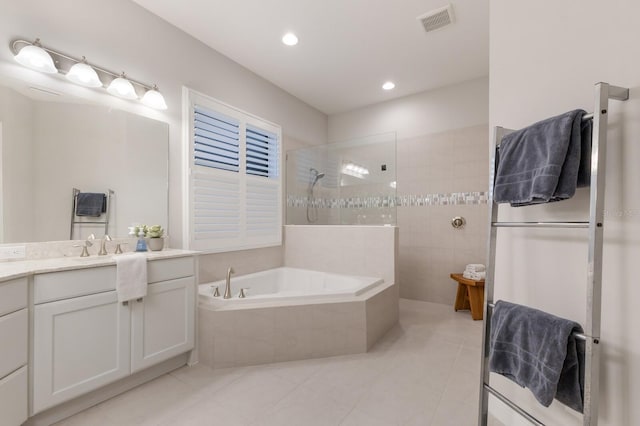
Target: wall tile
(429, 247)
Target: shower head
(315, 175)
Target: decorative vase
(155, 244)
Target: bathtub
(287, 285)
(291, 314)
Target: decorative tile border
(386, 201)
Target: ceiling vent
(437, 18)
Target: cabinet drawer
(67, 284)
(13, 295)
(13, 335)
(169, 269)
(13, 398)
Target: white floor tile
(424, 372)
(305, 407)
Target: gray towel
(544, 162)
(91, 204)
(537, 350)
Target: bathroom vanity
(14, 333)
(71, 343)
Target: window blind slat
(215, 157)
(262, 152)
(213, 131)
(220, 143)
(210, 114)
(216, 140)
(205, 163)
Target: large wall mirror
(52, 143)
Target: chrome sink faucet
(227, 288)
(103, 250)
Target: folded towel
(477, 276)
(131, 276)
(544, 162)
(91, 204)
(475, 267)
(537, 350)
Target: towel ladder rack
(74, 222)
(603, 92)
(579, 336)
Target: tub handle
(216, 291)
(458, 222)
(242, 294)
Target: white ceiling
(347, 48)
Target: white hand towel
(131, 276)
(476, 276)
(475, 267)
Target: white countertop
(17, 269)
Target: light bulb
(388, 85)
(122, 88)
(154, 99)
(290, 39)
(35, 57)
(84, 75)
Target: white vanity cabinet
(84, 342)
(13, 351)
(163, 323)
(80, 344)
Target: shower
(312, 208)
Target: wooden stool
(470, 296)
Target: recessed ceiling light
(290, 39)
(388, 85)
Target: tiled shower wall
(451, 162)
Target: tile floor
(425, 371)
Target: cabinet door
(162, 324)
(13, 398)
(80, 344)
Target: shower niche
(344, 183)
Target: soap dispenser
(142, 244)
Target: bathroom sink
(92, 258)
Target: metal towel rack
(74, 222)
(603, 92)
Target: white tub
(287, 285)
(291, 314)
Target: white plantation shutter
(235, 187)
(216, 140)
(262, 152)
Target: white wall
(545, 58)
(119, 35)
(433, 111)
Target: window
(235, 185)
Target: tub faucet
(227, 289)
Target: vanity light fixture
(389, 85)
(122, 88)
(290, 39)
(35, 56)
(354, 170)
(82, 74)
(154, 99)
